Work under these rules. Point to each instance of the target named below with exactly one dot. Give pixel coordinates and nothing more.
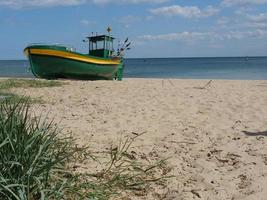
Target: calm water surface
(250, 68)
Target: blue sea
(239, 68)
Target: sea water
(15, 68)
(239, 68)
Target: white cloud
(256, 21)
(223, 21)
(186, 11)
(128, 1)
(86, 22)
(262, 17)
(255, 25)
(243, 2)
(206, 36)
(47, 3)
(128, 20)
(243, 10)
(39, 3)
(241, 21)
(181, 36)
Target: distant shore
(213, 131)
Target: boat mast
(109, 36)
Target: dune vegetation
(38, 162)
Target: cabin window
(93, 45)
(96, 45)
(100, 44)
(109, 45)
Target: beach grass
(12, 98)
(125, 171)
(32, 156)
(28, 83)
(36, 162)
(7, 84)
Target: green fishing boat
(57, 61)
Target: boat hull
(51, 63)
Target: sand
(215, 133)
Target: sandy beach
(215, 132)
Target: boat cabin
(101, 46)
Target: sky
(157, 28)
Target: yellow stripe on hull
(69, 55)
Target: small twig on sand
(171, 82)
(222, 160)
(138, 134)
(204, 87)
(195, 193)
(211, 141)
(181, 142)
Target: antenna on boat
(125, 46)
(109, 35)
(109, 30)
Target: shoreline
(131, 78)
